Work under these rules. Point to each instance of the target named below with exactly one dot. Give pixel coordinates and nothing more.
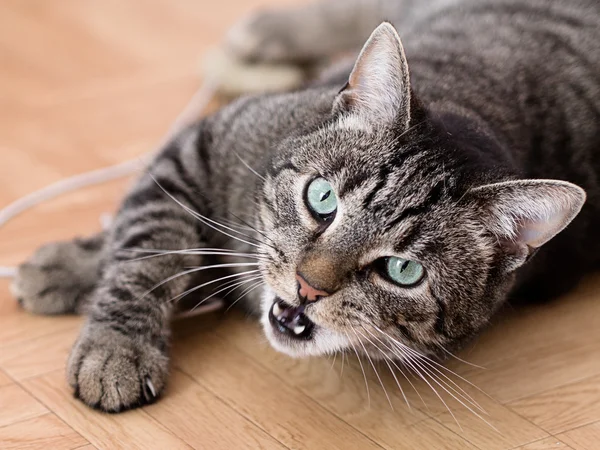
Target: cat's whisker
(395, 378)
(205, 220)
(374, 369)
(231, 287)
(200, 286)
(443, 385)
(417, 366)
(441, 347)
(198, 252)
(245, 293)
(361, 368)
(386, 358)
(194, 270)
(333, 362)
(459, 390)
(343, 360)
(405, 351)
(420, 355)
(242, 276)
(406, 360)
(250, 168)
(241, 227)
(400, 358)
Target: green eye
(320, 197)
(404, 271)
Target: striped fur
(500, 91)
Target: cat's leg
(121, 357)
(60, 277)
(310, 32)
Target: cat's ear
(378, 91)
(525, 214)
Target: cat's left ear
(525, 214)
(378, 91)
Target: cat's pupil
(325, 196)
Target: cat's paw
(59, 277)
(265, 36)
(113, 372)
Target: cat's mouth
(290, 320)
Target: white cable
(190, 113)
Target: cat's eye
(403, 272)
(321, 198)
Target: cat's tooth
(276, 309)
(299, 329)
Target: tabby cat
(389, 208)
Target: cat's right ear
(378, 91)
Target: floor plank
(550, 443)
(86, 84)
(18, 405)
(210, 425)
(584, 438)
(563, 408)
(40, 433)
(132, 429)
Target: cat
(389, 208)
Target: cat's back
(531, 68)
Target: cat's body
(499, 91)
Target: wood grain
(40, 433)
(86, 84)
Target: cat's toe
(59, 277)
(112, 372)
(47, 289)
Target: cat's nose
(307, 292)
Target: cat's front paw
(265, 36)
(113, 372)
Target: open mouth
(290, 320)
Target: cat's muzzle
(290, 320)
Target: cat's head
(379, 241)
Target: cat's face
(393, 252)
(373, 244)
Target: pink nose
(308, 292)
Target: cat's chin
(301, 337)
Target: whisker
(386, 358)
(461, 392)
(199, 252)
(200, 286)
(333, 363)
(232, 285)
(398, 367)
(240, 278)
(361, 368)
(436, 380)
(408, 361)
(441, 366)
(206, 284)
(194, 270)
(396, 379)
(250, 168)
(205, 220)
(374, 369)
(245, 293)
(441, 347)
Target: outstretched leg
(121, 357)
(308, 33)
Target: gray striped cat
(388, 209)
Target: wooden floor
(88, 83)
